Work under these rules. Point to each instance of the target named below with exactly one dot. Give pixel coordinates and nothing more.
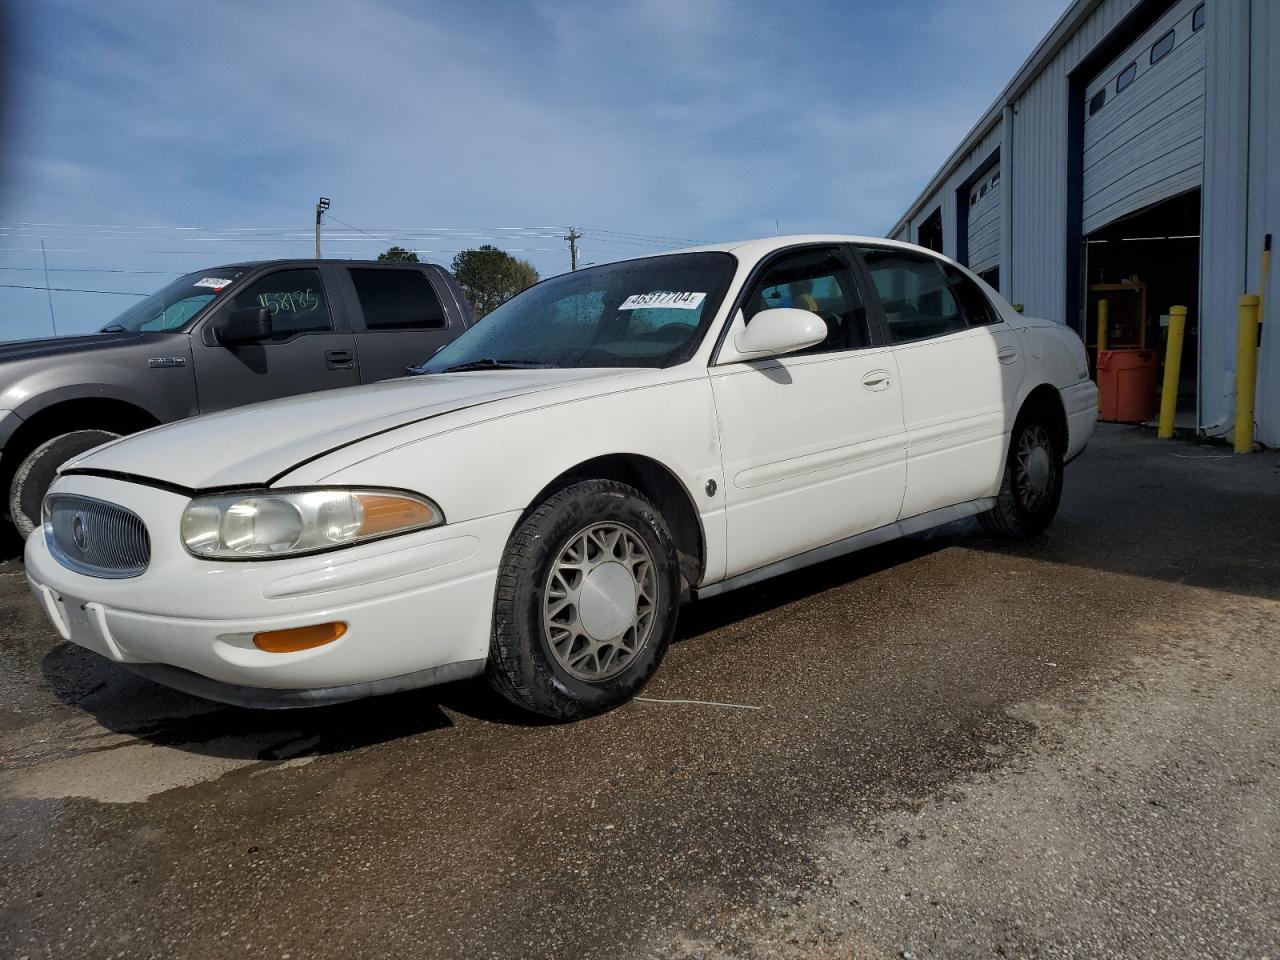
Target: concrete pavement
(948, 746)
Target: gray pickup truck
(214, 339)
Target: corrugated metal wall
(1035, 176)
(1039, 228)
(1240, 200)
(1264, 205)
(946, 194)
(1223, 206)
(1146, 142)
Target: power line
(168, 273)
(44, 257)
(23, 228)
(118, 293)
(644, 236)
(358, 230)
(144, 227)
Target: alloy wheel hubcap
(1035, 468)
(599, 601)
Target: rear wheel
(586, 601)
(1032, 484)
(37, 470)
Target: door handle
(1007, 354)
(876, 380)
(339, 359)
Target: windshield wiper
(113, 328)
(489, 363)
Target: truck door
(397, 318)
(311, 347)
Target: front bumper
(418, 608)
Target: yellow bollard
(1172, 371)
(1246, 371)
(1103, 309)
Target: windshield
(171, 307)
(638, 313)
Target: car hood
(257, 444)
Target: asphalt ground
(945, 747)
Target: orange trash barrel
(1127, 385)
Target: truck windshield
(171, 307)
(650, 312)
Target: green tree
(490, 277)
(398, 255)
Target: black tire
(522, 664)
(1024, 509)
(36, 472)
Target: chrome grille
(96, 538)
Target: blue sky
(699, 119)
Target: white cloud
(698, 119)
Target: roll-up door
(1144, 120)
(984, 223)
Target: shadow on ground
(125, 703)
(1183, 512)
(1168, 511)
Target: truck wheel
(1032, 484)
(586, 602)
(34, 475)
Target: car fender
(1057, 358)
(501, 464)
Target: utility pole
(573, 237)
(321, 207)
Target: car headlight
(272, 523)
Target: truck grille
(96, 538)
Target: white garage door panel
(984, 233)
(1165, 167)
(1176, 116)
(1146, 144)
(1175, 80)
(1150, 190)
(984, 228)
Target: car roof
(754, 249)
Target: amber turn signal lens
(383, 514)
(298, 638)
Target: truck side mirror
(251, 325)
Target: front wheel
(586, 601)
(36, 473)
(1032, 484)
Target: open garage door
(1144, 120)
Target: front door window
(820, 281)
(296, 300)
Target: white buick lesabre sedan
(540, 500)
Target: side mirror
(252, 325)
(779, 330)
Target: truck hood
(60, 346)
(257, 444)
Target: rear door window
(918, 297)
(397, 299)
(977, 309)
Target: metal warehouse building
(1132, 158)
